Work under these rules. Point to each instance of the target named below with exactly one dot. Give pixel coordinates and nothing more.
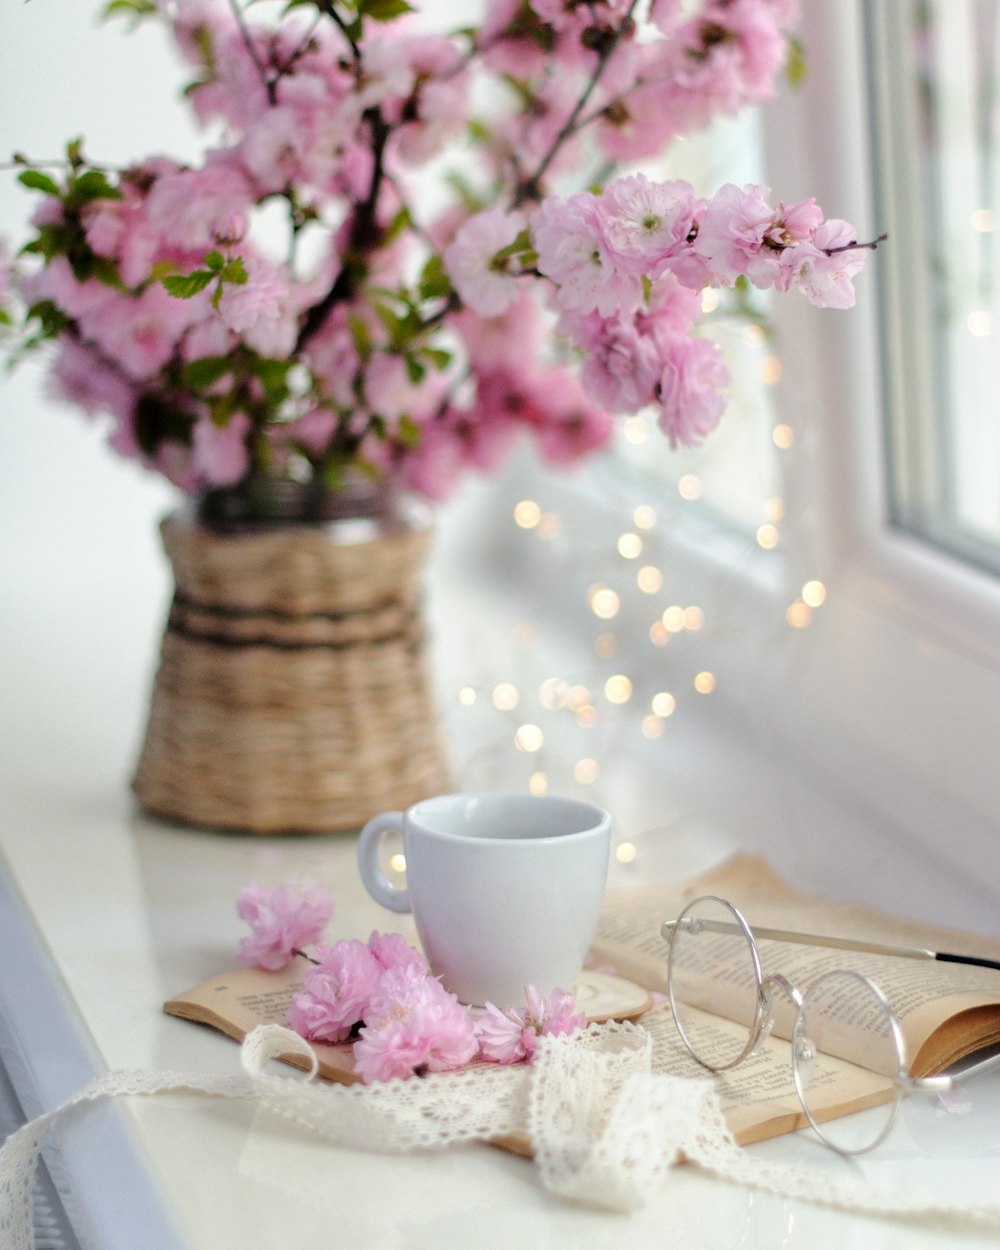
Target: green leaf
(184, 286)
(362, 338)
(204, 372)
(35, 180)
(521, 244)
(92, 185)
(215, 261)
(389, 320)
(384, 10)
(106, 271)
(54, 239)
(399, 223)
(434, 281)
(478, 131)
(51, 319)
(795, 63)
(415, 371)
(409, 432)
(437, 356)
(134, 9)
(273, 376)
(270, 371)
(235, 272)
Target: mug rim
(601, 818)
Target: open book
(946, 1011)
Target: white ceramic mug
(505, 889)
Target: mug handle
(374, 878)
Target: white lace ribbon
(605, 1131)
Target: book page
(237, 1001)
(945, 1010)
(758, 1097)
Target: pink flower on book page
(283, 920)
(501, 1034)
(413, 1025)
(391, 950)
(336, 992)
(512, 1035)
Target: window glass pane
(934, 78)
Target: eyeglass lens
(713, 982)
(843, 1017)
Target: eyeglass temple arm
(838, 943)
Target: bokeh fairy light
(643, 666)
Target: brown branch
(265, 78)
(856, 246)
(365, 234)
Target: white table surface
(122, 911)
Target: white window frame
(892, 694)
(912, 635)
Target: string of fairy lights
(554, 730)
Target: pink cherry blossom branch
(530, 188)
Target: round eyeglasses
(722, 1005)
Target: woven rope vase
(292, 693)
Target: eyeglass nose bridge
(765, 1011)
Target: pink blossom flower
(332, 356)
(573, 251)
(721, 58)
(508, 47)
(413, 1025)
(219, 452)
(58, 283)
(312, 431)
(827, 280)
(571, 424)
(6, 270)
(141, 332)
(207, 337)
(493, 342)
(251, 308)
(434, 466)
(336, 993)
(731, 229)
(391, 950)
(282, 920)
(487, 285)
(388, 76)
(621, 366)
(511, 1035)
(646, 223)
(272, 150)
(500, 1034)
(532, 132)
(438, 108)
(81, 378)
(671, 308)
(692, 391)
(186, 207)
